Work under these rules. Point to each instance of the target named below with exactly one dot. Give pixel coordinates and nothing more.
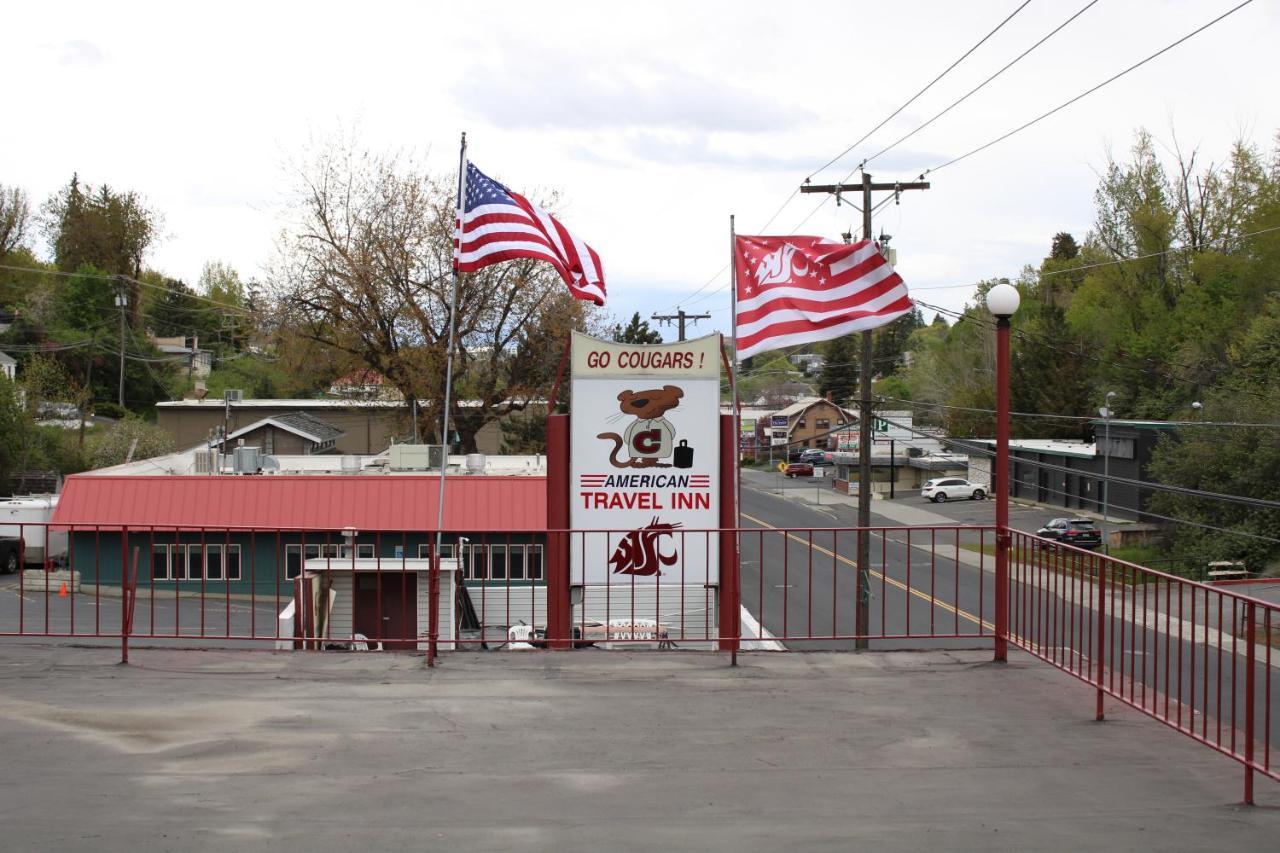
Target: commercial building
(1069, 474)
(250, 536)
(367, 426)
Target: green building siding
(98, 556)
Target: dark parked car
(799, 469)
(1079, 532)
(814, 456)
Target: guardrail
(1196, 657)
(1200, 659)
(656, 586)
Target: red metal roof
(367, 503)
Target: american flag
(799, 290)
(498, 225)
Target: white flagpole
(448, 371)
(733, 375)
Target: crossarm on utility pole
(866, 186)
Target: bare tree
(15, 217)
(365, 268)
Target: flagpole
(737, 410)
(448, 393)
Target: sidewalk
(594, 751)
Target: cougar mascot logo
(640, 551)
(650, 436)
(780, 266)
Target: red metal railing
(1196, 657)
(794, 588)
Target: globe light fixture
(1003, 300)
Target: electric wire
(1087, 92)
(1147, 371)
(227, 305)
(966, 95)
(689, 300)
(914, 97)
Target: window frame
(178, 557)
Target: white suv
(953, 487)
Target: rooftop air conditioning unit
(206, 461)
(415, 457)
(233, 395)
(246, 460)
(475, 463)
(350, 464)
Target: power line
(1169, 251)
(966, 95)
(1024, 336)
(690, 300)
(1090, 418)
(1112, 478)
(913, 98)
(229, 306)
(1090, 91)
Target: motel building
(338, 547)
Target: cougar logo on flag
(640, 551)
(780, 266)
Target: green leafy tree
(131, 438)
(636, 332)
(15, 219)
(524, 433)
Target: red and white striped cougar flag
(800, 290)
(498, 225)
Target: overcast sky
(655, 120)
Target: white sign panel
(645, 462)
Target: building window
(800, 424)
(1117, 448)
(498, 562)
(269, 441)
(446, 551)
(822, 423)
(296, 555)
(214, 562)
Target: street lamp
(1002, 301)
(1105, 411)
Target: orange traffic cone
(62, 590)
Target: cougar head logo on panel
(780, 266)
(650, 437)
(640, 551)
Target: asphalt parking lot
(621, 751)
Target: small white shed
(388, 601)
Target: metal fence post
(1099, 652)
(1251, 661)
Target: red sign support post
(559, 609)
(730, 612)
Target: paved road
(93, 612)
(801, 590)
(1161, 660)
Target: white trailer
(28, 517)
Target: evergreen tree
(839, 374)
(636, 332)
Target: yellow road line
(892, 581)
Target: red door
(386, 608)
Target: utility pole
(680, 318)
(121, 302)
(863, 623)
